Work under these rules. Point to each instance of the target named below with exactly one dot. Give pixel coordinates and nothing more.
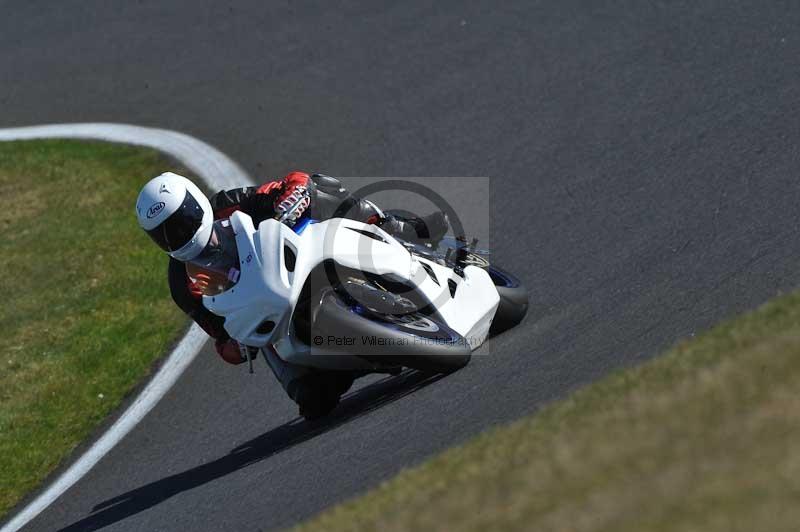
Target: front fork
(247, 354)
(285, 373)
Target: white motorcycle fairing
(275, 263)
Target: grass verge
(85, 309)
(706, 437)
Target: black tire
(318, 393)
(513, 301)
(434, 348)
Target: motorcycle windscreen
(216, 268)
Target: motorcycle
(345, 296)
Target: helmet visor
(177, 230)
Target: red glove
(286, 185)
(229, 351)
(267, 188)
(294, 179)
(198, 286)
(293, 197)
(291, 190)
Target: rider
(178, 217)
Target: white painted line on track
(217, 171)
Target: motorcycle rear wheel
(513, 300)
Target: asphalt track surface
(645, 163)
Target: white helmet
(176, 214)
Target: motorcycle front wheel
(413, 340)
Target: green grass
(85, 311)
(704, 438)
